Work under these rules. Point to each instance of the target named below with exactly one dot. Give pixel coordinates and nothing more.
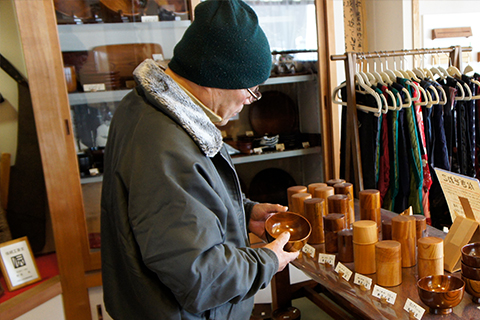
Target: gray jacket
(174, 220)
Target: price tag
(308, 249)
(157, 57)
(257, 150)
(382, 293)
(280, 147)
(362, 280)
(249, 133)
(92, 87)
(306, 144)
(414, 309)
(344, 271)
(149, 18)
(326, 258)
(94, 171)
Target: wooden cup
(292, 190)
(297, 202)
(345, 245)
(332, 224)
(314, 211)
(430, 256)
(365, 236)
(347, 189)
(404, 231)
(421, 226)
(324, 193)
(313, 186)
(370, 207)
(388, 255)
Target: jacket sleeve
(183, 226)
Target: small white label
(414, 309)
(382, 293)
(342, 269)
(257, 150)
(157, 57)
(326, 258)
(280, 147)
(308, 249)
(92, 87)
(94, 171)
(150, 18)
(249, 133)
(306, 144)
(362, 280)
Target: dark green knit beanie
(224, 47)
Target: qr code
(18, 261)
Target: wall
(11, 49)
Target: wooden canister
(297, 202)
(430, 256)
(370, 207)
(345, 245)
(338, 203)
(420, 225)
(404, 231)
(347, 189)
(70, 78)
(365, 236)
(333, 182)
(388, 255)
(332, 224)
(314, 211)
(387, 229)
(324, 193)
(293, 190)
(313, 186)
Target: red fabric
(47, 267)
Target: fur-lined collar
(174, 101)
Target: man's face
(228, 103)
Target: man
(174, 220)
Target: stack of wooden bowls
(471, 269)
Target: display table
(349, 296)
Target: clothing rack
(353, 156)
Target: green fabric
(389, 199)
(224, 47)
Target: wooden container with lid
(430, 256)
(333, 182)
(338, 203)
(365, 236)
(347, 189)
(297, 202)
(387, 229)
(293, 190)
(314, 211)
(324, 193)
(345, 245)
(313, 186)
(332, 224)
(404, 231)
(370, 206)
(388, 255)
(421, 226)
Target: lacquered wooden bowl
(441, 293)
(470, 272)
(473, 288)
(471, 254)
(297, 225)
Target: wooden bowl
(471, 254)
(441, 293)
(473, 288)
(470, 272)
(297, 225)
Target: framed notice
(18, 264)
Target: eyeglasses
(257, 95)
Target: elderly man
(174, 221)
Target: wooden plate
(275, 113)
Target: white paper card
(306, 144)
(149, 18)
(346, 273)
(382, 293)
(257, 150)
(326, 258)
(414, 308)
(360, 280)
(18, 263)
(280, 147)
(92, 87)
(308, 249)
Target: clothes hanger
(359, 81)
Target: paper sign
(93, 87)
(362, 280)
(344, 271)
(455, 186)
(308, 249)
(382, 293)
(326, 258)
(414, 309)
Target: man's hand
(260, 213)
(284, 257)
